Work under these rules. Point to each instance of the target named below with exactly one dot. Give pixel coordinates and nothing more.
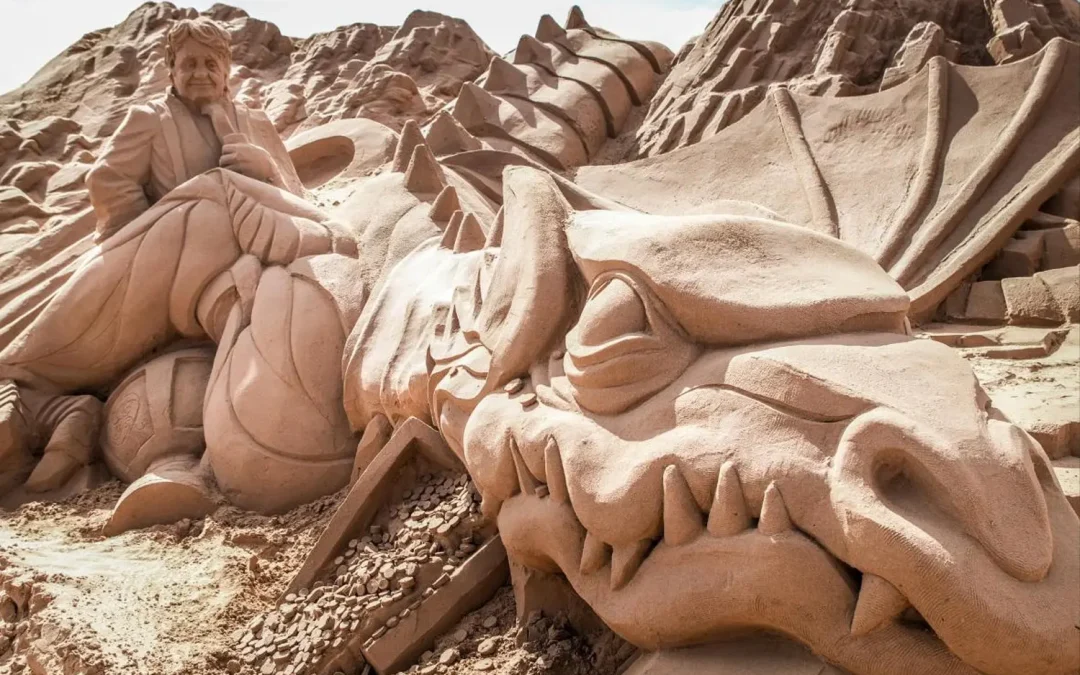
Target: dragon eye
(613, 310)
(625, 346)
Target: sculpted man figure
(193, 128)
(202, 237)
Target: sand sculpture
(686, 385)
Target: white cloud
(34, 31)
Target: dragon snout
(931, 482)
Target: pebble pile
(413, 548)
(490, 640)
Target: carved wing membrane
(929, 178)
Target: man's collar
(172, 93)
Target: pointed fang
(625, 561)
(526, 480)
(728, 515)
(879, 603)
(594, 554)
(774, 514)
(554, 474)
(682, 517)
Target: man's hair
(203, 31)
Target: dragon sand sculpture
(687, 384)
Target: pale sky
(34, 31)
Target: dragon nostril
(900, 482)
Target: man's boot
(72, 425)
(16, 436)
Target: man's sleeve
(117, 180)
(287, 179)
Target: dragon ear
(529, 300)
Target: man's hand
(244, 158)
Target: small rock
(449, 657)
(233, 666)
(487, 647)
(460, 636)
(514, 386)
(483, 664)
(489, 622)
(8, 611)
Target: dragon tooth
(682, 517)
(554, 473)
(625, 560)
(594, 554)
(489, 507)
(728, 515)
(774, 514)
(879, 603)
(526, 480)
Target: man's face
(199, 74)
